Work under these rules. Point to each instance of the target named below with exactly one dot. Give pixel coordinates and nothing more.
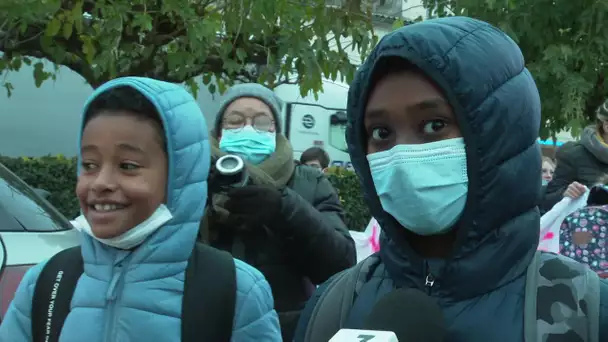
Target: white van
(318, 122)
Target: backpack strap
(209, 299)
(561, 299)
(333, 308)
(53, 293)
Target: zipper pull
(429, 281)
(111, 292)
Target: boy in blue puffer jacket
(144, 162)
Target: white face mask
(132, 237)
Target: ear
(325, 170)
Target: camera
(229, 172)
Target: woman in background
(579, 163)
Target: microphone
(357, 335)
(404, 315)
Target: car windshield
(22, 209)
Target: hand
(213, 176)
(255, 204)
(575, 190)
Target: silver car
(31, 231)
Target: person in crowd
(288, 222)
(583, 234)
(547, 170)
(580, 163)
(315, 157)
(143, 163)
(443, 128)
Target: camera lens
(229, 165)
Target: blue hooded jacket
(480, 288)
(137, 296)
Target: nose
(409, 136)
(105, 181)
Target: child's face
(547, 171)
(123, 179)
(314, 163)
(406, 108)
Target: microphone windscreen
(412, 315)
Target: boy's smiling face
(123, 177)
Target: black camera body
(229, 172)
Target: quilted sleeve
(254, 318)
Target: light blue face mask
(424, 187)
(248, 143)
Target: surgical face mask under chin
(248, 143)
(424, 187)
(132, 237)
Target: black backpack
(55, 287)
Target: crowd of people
(443, 122)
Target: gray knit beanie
(254, 90)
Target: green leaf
(9, 88)
(398, 24)
(53, 27)
(241, 54)
(221, 86)
(16, 63)
(143, 21)
(231, 66)
(76, 14)
(68, 28)
(192, 86)
(88, 48)
(39, 74)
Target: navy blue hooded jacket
(480, 288)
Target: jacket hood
(482, 74)
(188, 154)
(594, 143)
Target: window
(337, 130)
(21, 209)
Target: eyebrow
(428, 104)
(130, 148)
(255, 114)
(422, 105)
(121, 146)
